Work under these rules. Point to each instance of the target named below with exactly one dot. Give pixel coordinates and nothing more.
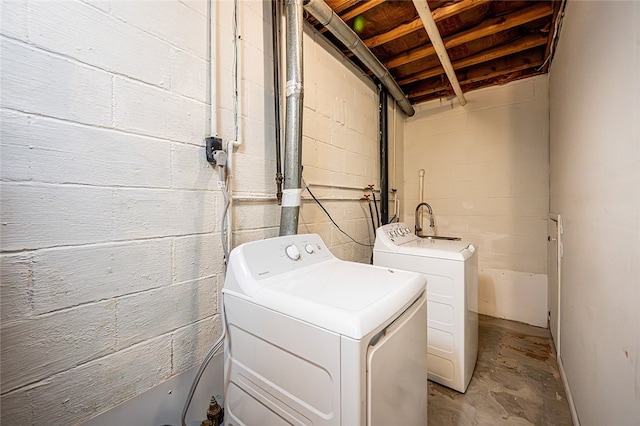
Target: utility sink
(440, 237)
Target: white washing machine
(314, 340)
(451, 269)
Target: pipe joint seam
(293, 88)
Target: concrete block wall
(111, 257)
(487, 180)
(340, 148)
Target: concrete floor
(516, 381)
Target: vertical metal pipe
(275, 33)
(293, 120)
(384, 159)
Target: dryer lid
(351, 299)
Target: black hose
(373, 224)
(375, 204)
(330, 218)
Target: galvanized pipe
(332, 22)
(291, 195)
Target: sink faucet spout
(418, 225)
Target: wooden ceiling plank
(489, 27)
(410, 56)
(343, 5)
(502, 23)
(456, 8)
(394, 34)
(438, 15)
(485, 72)
(522, 44)
(423, 75)
(519, 45)
(498, 73)
(362, 8)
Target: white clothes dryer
(314, 340)
(451, 269)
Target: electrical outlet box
(212, 144)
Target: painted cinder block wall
(339, 148)
(486, 177)
(111, 260)
(595, 186)
(110, 255)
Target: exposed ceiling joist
(360, 9)
(502, 68)
(487, 28)
(488, 41)
(438, 15)
(521, 44)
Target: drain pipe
(291, 195)
(275, 33)
(336, 26)
(384, 160)
(434, 35)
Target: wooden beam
(485, 72)
(505, 66)
(488, 27)
(519, 45)
(438, 15)
(448, 11)
(362, 8)
(339, 6)
(394, 34)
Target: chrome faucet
(418, 225)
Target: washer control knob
(309, 248)
(292, 252)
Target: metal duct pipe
(434, 35)
(291, 194)
(330, 20)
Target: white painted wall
(110, 255)
(110, 244)
(339, 148)
(487, 181)
(595, 185)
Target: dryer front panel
(397, 372)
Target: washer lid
(347, 298)
(439, 249)
(397, 239)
